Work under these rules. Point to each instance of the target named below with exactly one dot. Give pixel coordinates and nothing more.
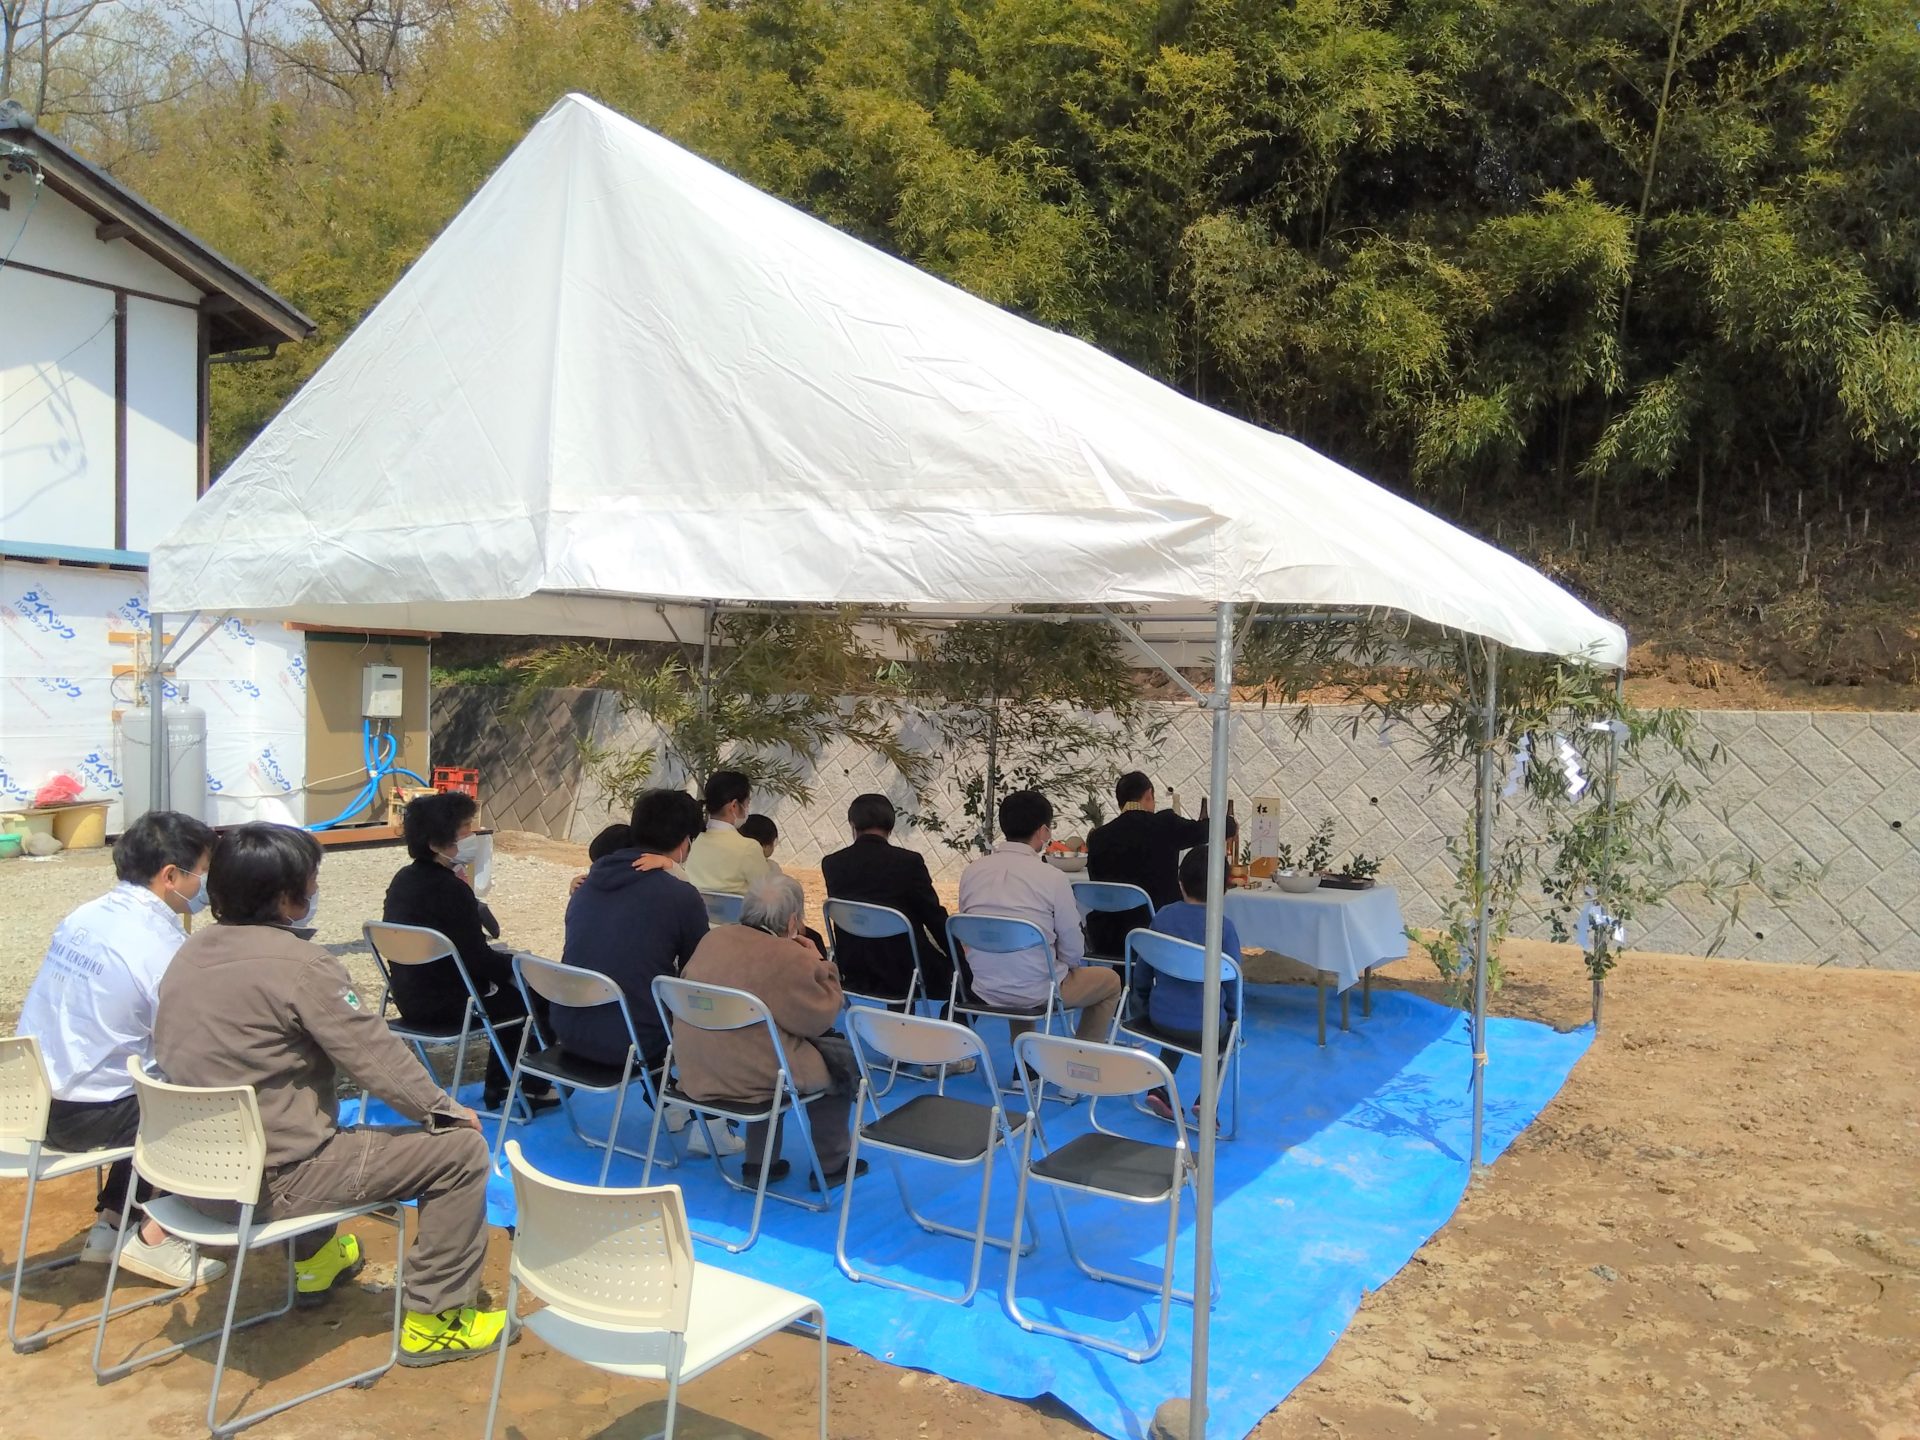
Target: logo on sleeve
(352, 999)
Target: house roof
(243, 313)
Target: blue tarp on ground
(1349, 1159)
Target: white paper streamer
(1593, 917)
(1517, 769)
(1570, 768)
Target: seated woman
(428, 892)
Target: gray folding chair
(580, 990)
(26, 1098)
(1109, 897)
(209, 1144)
(393, 945)
(983, 934)
(875, 922)
(1166, 957)
(1105, 1163)
(723, 908)
(938, 1128)
(716, 1007)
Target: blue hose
(377, 755)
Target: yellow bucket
(80, 827)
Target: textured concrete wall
(1831, 790)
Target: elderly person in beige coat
(767, 956)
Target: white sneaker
(727, 1142)
(102, 1240)
(959, 1067)
(677, 1118)
(170, 1262)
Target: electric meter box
(381, 688)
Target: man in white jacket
(91, 1009)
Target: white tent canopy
(623, 373)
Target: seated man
(247, 1002)
(1013, 880)
(1175, 1006)
(876, 871)
(1139, 846)
(428, 893)
(766, 955)
(722, 859)
(91, 1009)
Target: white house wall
(58, 694)
(163, 419)
(56, 411)
(60, 236)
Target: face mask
(467, 851)
(307, 919)
(197, 901)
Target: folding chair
(1101, 1162)
(1109, 897)
(722, 908)
(26, 1098)
(623, 1292)
(715, 1007)
(963, 1134)
(875, 922)
(392, 945)
(208, 1144)
(1175, 959)
(582, 990)
(1000, 935)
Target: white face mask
(197, 901)
(310, 915)
(467, 851)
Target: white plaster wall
(163, 419)
(56, 410)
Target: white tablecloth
(1339, 931)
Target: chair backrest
(614, 1256)
(1082, 1067)
(1178, 959)
(997, 934)
(723, 908)
(205, 1144)
(913, 1039)
(572, 986)
(707, 1007)
(1110, 897)
(26, 1095)
(869, 922)
(405, 944)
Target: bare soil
(1712, 1231)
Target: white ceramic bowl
(1072, 864)
(1296, 884)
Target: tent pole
(1221, 703)
(706, 659)
(157, 796)
(1606, 852)
(1483, 868)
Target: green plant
(1283, 856)
(1319, 852)
(1361, 867)
(1243, 856)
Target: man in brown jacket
(250, 1002)
(767, 956)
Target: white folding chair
(723, 908)
(1173, 959)
(209, 1144)
(1109, 897)
(979, 933)
(392, 945)
(875, 922)
(938, 1128)
(579, 989)
(623, 1292)
(26, 1099)
(1101, 1162)
(718, 1008)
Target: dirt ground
(1713, 1231)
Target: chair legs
(46, 1334)
(782, 1105)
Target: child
(762, 829)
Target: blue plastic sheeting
(1349, 1159)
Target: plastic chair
(875, 922)
(939, 1128)
(1102, 1162)
(715, 1007)
(1109, 897)
(392, 945)
(208, 1144)
(581, 990)
(1000, 935)
(1183, 960)
(623, 1292)
(26, 1098)
(723, 908)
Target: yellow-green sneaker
(452, 1335)
(326, 1270)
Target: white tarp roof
(623, 374)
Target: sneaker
(328, 1269)
(678, 1117)
(836, 1178)
(958, 1067)
(102, 1240)
(538, 1103)
(1159, 1105)
(170, 1262)
(452, 1335)
(724, 1140)
(750, 1172)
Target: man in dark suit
(875, 870)
(1142, 845)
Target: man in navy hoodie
(631, 925)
